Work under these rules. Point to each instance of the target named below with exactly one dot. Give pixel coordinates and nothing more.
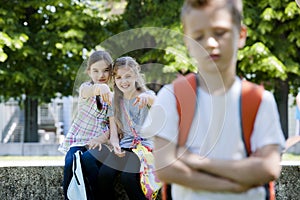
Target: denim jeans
(102, 176)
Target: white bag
(76, 189)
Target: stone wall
(288, 185)
(45, 183)
(31, 183)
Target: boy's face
(216, 38)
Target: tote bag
(76, 189)
(150, 184)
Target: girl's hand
(104, 91)
(141, 100)
(118, 151)
(94, 143)
(98, 141)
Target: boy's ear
(243, 36)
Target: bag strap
(76, 156)
(184, 86)
(185, 90)
(136, 139)
(251, 97)
(250, 100)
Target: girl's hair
(234, 6)
(95, 57)
(139, 84)
(98, 56)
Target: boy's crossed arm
(260, 168)
(167, 164)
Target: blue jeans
(68, 167)
(91, 165)
(102, 176)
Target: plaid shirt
(89, 123)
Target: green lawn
(290, 157)
(21, 158)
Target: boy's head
(234, 6)
(214, 33)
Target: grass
(26, 158)
(290, 157)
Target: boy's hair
(234, 6)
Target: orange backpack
(185, 90)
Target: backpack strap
(185, 91)
(184, 86)
(251, 97)
(250, 100)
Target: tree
(270, 57)
(273, 47)
(41, 48)
(43, 43)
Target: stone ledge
(31, 183)
(29, 149)
(45, 183)
(288, 185)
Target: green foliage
(42, 42)
(164, 14)
(273, 42)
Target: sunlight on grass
(290, 157)
(285, 157)
(24, 158)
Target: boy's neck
(216, 84)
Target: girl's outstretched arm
(102, 90)
(145, 99)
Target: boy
(214, 164)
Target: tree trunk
(31, 127)
(281, 96)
